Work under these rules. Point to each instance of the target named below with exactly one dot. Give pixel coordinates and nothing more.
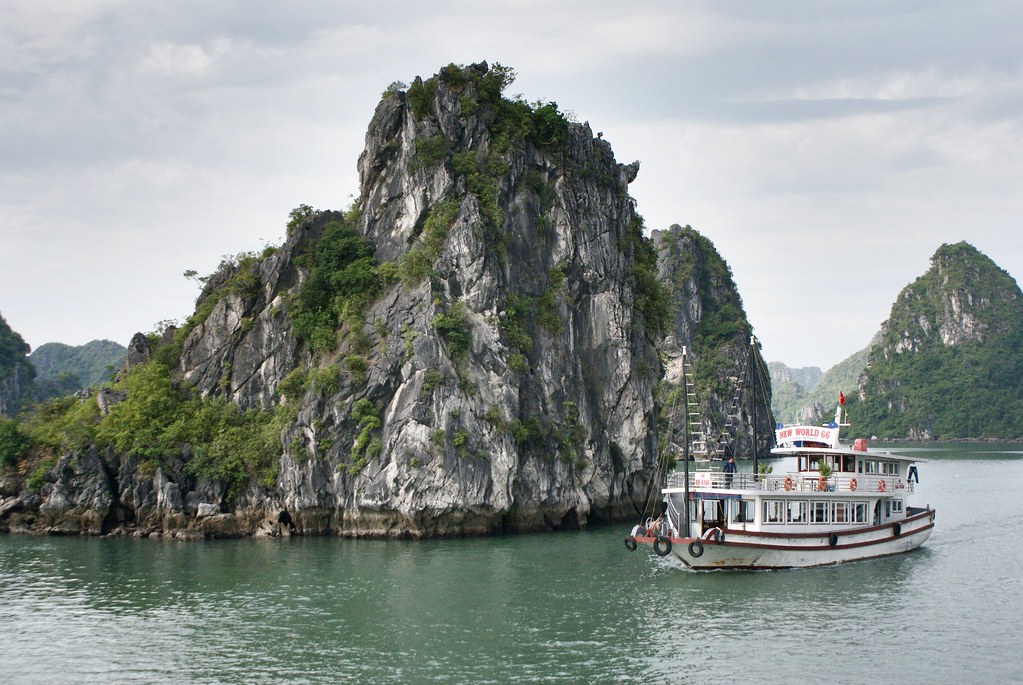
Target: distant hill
(842, 378)
(947, 362)
(791, 389)
(91, 364)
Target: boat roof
(844, 450)
(824, 439)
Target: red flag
(841, 397)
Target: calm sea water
(564, 608)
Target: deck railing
(794, 482)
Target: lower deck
(779, 513)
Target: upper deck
(851, 469)
(795, 483)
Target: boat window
(840, 512)
(801, 463)
(744, 511)
(774, 511)
(818, 512)
(814, 463)
(887, 508)
(798, 511)
(859, 512)
(897, 506)
(871, 466)
(894, 468)
(848, 463)
(859, 465)
(710, 509)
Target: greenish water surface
(560, 608)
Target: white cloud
(188, 60)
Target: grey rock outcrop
(448, 463)
(77, 497)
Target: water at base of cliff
(562, 608)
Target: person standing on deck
(730, 468)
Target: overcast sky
(826, 148)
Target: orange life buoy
(822, 483)
(788, 482)
(852, 485)
(881, 486)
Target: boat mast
(753, 389)
(685, 448)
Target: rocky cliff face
(491, 367)
(707, 316)
(947, 364)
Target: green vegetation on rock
(156, 419)
(13, 443)
(343, 280)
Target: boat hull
(737, 549)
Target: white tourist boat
(841, 503)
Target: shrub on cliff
(343, 279)
(13, 443)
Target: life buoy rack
(822, 484)
(881, 485)
(630, 543)
(696, 549)
(852, 485)
(662, 546)
(788, 483)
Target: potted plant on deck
(825, 473)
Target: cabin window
(840, 512)
(859, 465)
(887, 508)
(859, 512)
(848, 463)
(801, 463)
(774, 511)
(710, 509)
(897, 506)
(814, 462)
(744, 511)
(819, 512)
(798, 511)
(871, 466)
(893, 468)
